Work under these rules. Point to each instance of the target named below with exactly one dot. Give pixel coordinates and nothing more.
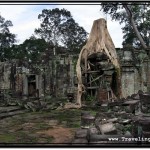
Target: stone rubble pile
(117, 123)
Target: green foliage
(42, 126)
(142, 19)
(74, 63)
(6, 38)
(71, 117)
(31, 50)
(23, 137)
(59, 29)
(142, 56)
(50, 139)
(76, 124)
(127, 128)
(93, 112)
(7, 138)
(90, 98)
(140, 14)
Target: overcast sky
(25, 19)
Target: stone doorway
(100, 77)
(32, 85)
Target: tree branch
(130, 16)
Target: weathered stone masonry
(58, 78)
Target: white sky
(25, 19)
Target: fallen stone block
(125, 121)
(9, 109)
(116, 109)
(87, 121)
(71, 106)
(113, 120)
(104, 107)
(81, 133)
(10, 114)
(91, 131)
(135, 96)
(146, 134)
(85, 113)
(128, 133)
(108, 129)
(112, 104)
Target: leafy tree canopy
(6, 38)
(31, 49)
(135, 16)
(60, 29)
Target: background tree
(142, 18)
(31, 49)
(74, 36)
(6, 38)
(60, 29)
(136, 19)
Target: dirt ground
(57, 126)
(60, 134)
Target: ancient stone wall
(134, 74)
(14, 79)
(5, 70)
(60, 74)
(58, 77)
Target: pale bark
(99, 41)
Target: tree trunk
(99, 41)
(130, 16)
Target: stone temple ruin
(103, 72)
(116, 80)
(119, 81)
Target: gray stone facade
(134, 75)
(58, 77)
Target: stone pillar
(145, 75)
(71, 72)
(127, 77)
(39, 85)
(25, 86)
(87, 120)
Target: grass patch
(74, 124)
(68, 115)
(42, 126)
(50, 139)
(72, 117)
(23, 137)
(19, 121)
(40, 121)
(93, 112)
(7, 138)
(127, 128)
